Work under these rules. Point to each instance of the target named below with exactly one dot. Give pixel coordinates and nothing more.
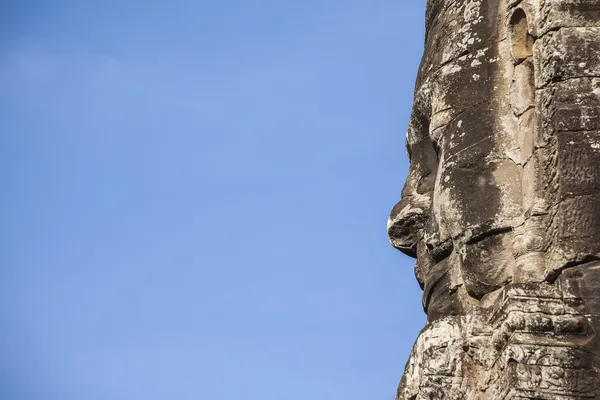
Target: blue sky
(195, 199)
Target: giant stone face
(463, 192)
(501, 206)
(481, 206)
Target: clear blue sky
(195, 197)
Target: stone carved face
(503, 192)
(463, 190)
(484, 202)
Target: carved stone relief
(501, 206)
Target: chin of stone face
(501, 206)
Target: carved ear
(520, 38)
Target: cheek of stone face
(487, 264)
(478, 182)
(477, 195)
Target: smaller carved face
(436, 362)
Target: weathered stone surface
(501, 206)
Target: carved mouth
(440, 251)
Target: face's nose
(404, 225)
(410, 216)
